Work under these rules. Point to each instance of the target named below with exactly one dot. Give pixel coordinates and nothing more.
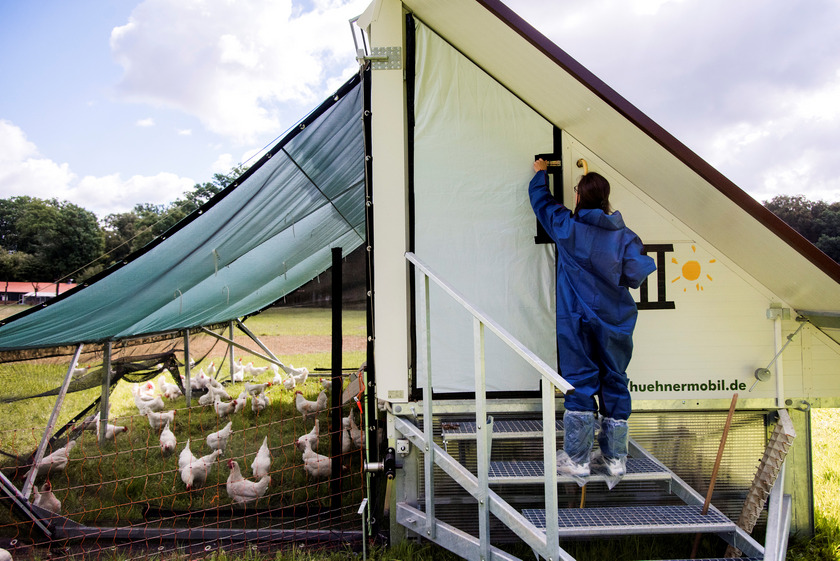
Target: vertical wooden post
(336, 428)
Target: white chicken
(218, 440)
(111, 430)
(241, 402)
(327, 384)
(5, 555)
(355, 432)
(158, 420)
(261, 465)
(278, 379)
(241, 490)
(289, 383)
(186, 456)
(346, 439)
(316, 465)
(255, 371)
(80, 371)
(206, 399)
(310, 439)
(44, 498)
(309, 408)
(299, 374)
(197, 382)
(194, 470)
(213, 382)
(145, 400)
(56, 461)
(254, 389)
(223, 409)
(167, 440)
(212, 393)
(211, 370)
(259, 402)
(238, 371)
(168, 389)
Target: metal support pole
(552, 526)
(428, 421)
(39, 453)
(780, 371)
(230, 353)
(187, 369)
(335, 402)
(104, 405)
(259, 343)
(481, 441)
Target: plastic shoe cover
(613, 437)
(578, 435)
(613, 470)
(578, 472)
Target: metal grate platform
(502, 429)
(531, 471)
(681, 519)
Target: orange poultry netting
(249, 464)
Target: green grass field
(112, 485)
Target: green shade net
(258, 240)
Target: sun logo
(691, 271)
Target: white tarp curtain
(244, 250)
(474, 143)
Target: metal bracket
(385, 58)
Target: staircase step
(531, 471)
(620, 521)
(502, 429)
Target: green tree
(817, 221)
(61, 236)
(129, 231)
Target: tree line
(57, 241)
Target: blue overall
(598, 258)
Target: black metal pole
(335, 394)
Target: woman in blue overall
(598, 260)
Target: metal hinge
(385, 58)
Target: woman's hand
(540, 165)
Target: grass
(113, 484)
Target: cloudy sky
(110, 103)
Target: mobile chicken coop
(424, 159)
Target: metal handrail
(549, 546)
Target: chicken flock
(195, 470)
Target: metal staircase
(545, 526)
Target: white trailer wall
(474, 142)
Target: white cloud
(185, 132)
(234, 64)
(223, 164)
(24, 171)
(147, 122)
(739, 84)
(102, 195)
